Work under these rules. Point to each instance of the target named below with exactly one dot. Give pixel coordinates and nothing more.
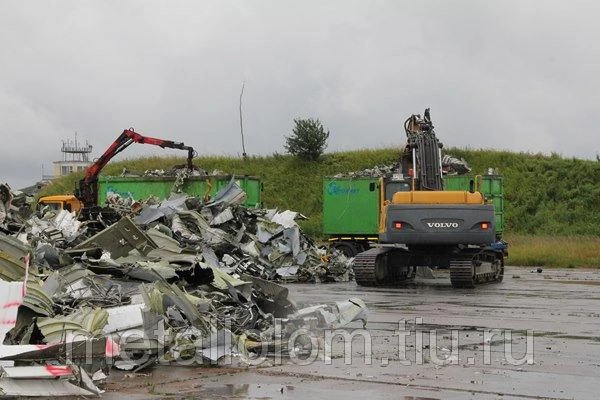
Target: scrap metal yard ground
(560, 306)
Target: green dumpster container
(142, 187)
(351, 206)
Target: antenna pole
(244, 155)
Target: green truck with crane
(92, 191)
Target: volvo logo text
(442, 224)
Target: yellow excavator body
(438, 197)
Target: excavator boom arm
(423, 153)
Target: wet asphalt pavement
(534, 336)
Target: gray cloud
(505, 74)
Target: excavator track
(470, 270)
(462, 274)
(365, 266)
(371, 268)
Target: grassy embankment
(553, 251)
(552, 203)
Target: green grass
(554, 251)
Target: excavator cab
(60, 202)
(394, 186)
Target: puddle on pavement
(245, 391)
(261, 391)
(418, 398)
(580, 282)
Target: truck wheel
(348, 249)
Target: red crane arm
(88, 186)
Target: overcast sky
(519, 75)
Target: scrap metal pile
(450, 165)
(265, 243)
(178, 282)
(15, 207)
(375, 172)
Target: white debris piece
(124, 317)
(51, 380)
(11, 297)
(68, 224)
(222, 217)
(286, 218)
